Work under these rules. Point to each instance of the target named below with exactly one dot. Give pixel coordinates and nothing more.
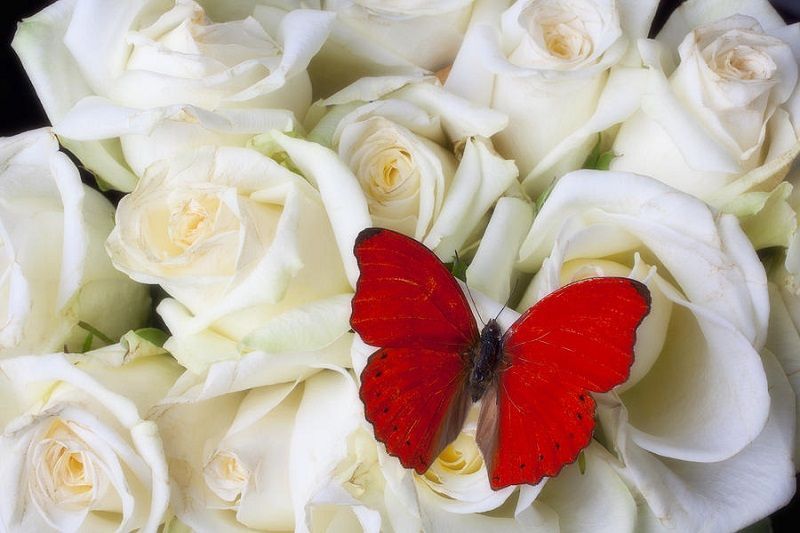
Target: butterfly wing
(413, 388)
(576, 340)
(406, 297)
(416, 400)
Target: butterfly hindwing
(406, 297)
(577, 340)
(416, 400)
(414, 387)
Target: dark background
(20, 110)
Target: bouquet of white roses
(527, 144)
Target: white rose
(697, 397)
(420, 156)
(370, 38)
(160, 76)
(726, 121)
(743, 489)
(232, 235)
(55, 270)
(357, 496)
(250, 442)
(548, 64)
(77, 454)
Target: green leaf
(265, 144)
(604, 160)
(545, 195)
(154, 336)
(594, 155)
(458, 267)
(599, 159)
(93, 331)
(87, 343)
(767, 218)
(582, 463)
(144, 342)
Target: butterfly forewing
(406, 297)
(413, 388)
(577, 340)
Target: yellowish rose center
(65, 474)
(387, 170)
(192, 220)
(568, 41)
(460, 458)
(562, 30)
(393, 168)
(226, 475)
(745, 63)
(182, 40)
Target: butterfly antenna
(501, 311)
(505, 306)
(469, 293)
(474, 305)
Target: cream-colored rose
(161, 76)
(55, 272)
(77, 453)
(550, 64)
(697, 397)
(371, 38)
(251, 441)
(236, 238)
(726, 120)
(357, 496)
(745, 488)
(421, 158)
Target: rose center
(226, 475)
(385, 166)
(745, 63)
(192, 220)
(392, 172)
(460, 457)
(567, 42)
(563, 31)
(184, 42)
(65, 473)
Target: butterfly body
(533, 381)
(485, 361)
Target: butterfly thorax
(485, 357)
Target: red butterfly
(536, 413)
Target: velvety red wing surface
(406, 297)
(416, 401)
(410, 306)
(578, 339)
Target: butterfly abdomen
(486, 356)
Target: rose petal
(491, 269)
(726, 495)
